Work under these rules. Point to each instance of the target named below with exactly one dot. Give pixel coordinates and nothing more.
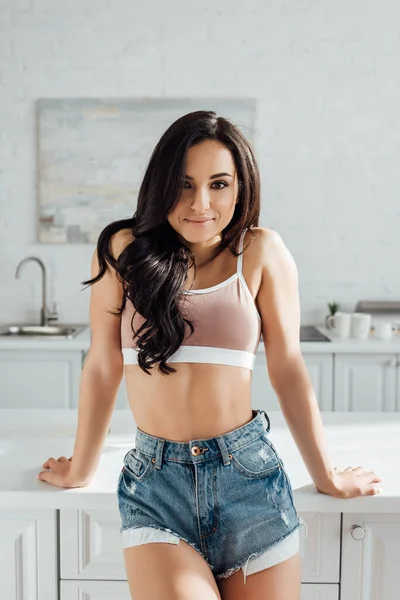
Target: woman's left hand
(60, 473)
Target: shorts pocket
(137, 465)
(256, 460)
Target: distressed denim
(228, 496)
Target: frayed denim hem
(243, 564)
(166, 529)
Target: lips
(198, 220)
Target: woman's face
(206, 203)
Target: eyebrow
(212, 176)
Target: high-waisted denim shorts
(228, 496)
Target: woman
(181, 293)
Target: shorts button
(195, 450)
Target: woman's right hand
(352, 482)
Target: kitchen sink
(44, 331)
(309, 333)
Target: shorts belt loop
(224, 451)
(159, 453)
(267, 419)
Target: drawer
(319, 591)
(95, 590)
(91, 546)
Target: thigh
(170, 572)
(280, 582)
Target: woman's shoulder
(266, 245)
(120, 241)
(270, 251)
(261, 239)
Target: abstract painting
(92, 155)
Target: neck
(205, 252)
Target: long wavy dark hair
(154, 265)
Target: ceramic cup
(340, 322)
(360, 325)
(383, 331)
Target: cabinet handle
(357, 532)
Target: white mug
(383, 331)
(360, 325)
(340, 322)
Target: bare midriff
(198, 401)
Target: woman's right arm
(101, 376)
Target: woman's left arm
(279, 307)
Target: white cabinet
(357, 553)
(99, 590)
(91, 546)
(342, 382)
(320, 550)
(45, 379)
(319, 591)
(366, 382)
(370, 557)
(39, 378)
(28, 554)
(320, 369)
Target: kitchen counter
(29, 437)
(351, 345)
(336, 344)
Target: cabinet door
(365, 382)
(319, 591)
(370, 556)
(39, 378)
(320, 547)
(320, 369)
(397, 407)
(95, 590)
(28, 554)
(91, 544)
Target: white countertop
(352, 345)
(29, 437)
(349, 345)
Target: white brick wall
(327, 79)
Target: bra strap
(240, 257)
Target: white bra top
(227, 324)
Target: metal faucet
(45, 315)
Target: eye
(224, 184)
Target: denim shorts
(228, 496)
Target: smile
(203, 222)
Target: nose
(200, 200)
